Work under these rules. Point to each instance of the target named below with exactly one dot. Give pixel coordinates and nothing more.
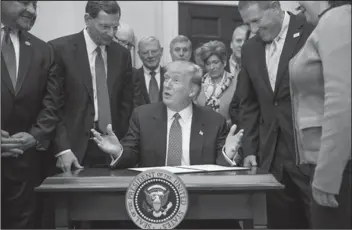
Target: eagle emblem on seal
(157, 198)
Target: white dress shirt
(273, 51)
(91, 47)
(16, 44)
(147, 76)
(92, 54)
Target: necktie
(104, 114)
(174, 153)
(153, 88)
(271, 62)
(9, 55)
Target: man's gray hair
(148, 39)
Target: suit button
(276, 103)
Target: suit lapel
(143, 85)
(160, 121)
(196, 143)
(5, 77)
(113, 59)
(162, 71)
(25, 60)
(289, 48)
(81, 56)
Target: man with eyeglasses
(29, 102)
(98, 87)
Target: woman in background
(320, 76)
(218, 85)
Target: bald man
(125, 36)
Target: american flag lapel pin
(296, 35)
(201, 132)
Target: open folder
(192, 168)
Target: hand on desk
(10, 146)
(233, 142)
(65, 161)
(108, 143)
(250, 161)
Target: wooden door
(203, 23)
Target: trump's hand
(233, 142)
(108, 143)
(324, 198)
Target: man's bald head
(125, 36)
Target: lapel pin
(295, 35)
(27, 43)
(201, 133)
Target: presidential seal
(156, 199)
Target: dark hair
(339, 3)
(110, 7)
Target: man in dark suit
(98, 87)
(29, 102)
(186, 134)
(266, 107)
(148, 80)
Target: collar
(146, 70)
(91, 45)
(15, 32)
(233, 60)
(284, 27)
(185, 114)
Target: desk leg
(61, 212)
(248, 224)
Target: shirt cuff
(63, 152)
(115, 160)
(231, 162)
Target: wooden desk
(99, 194)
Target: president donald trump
(176, 131)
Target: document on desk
(192, 168)
(176, 170)
(213, 168)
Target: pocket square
(201, 133)
(296, 35)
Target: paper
(214, 168)
(176, 170)
(192, 168)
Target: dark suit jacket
(261, 108)
(78, 104)
(140, 88)
(145, 145)
(32, 106)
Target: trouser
(288, 208)
(18, 204)
(335, 218)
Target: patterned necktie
(174, 153)
(153, 88)
(104, 114)
(8, 52)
